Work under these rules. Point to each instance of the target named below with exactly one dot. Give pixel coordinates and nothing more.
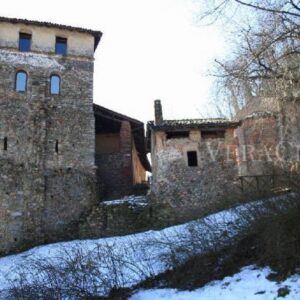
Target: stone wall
(21, 206)
(184, 188)
(47, 179)
(118, 217)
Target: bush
(276, 236)
(79, 274)
(263, 232)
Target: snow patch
(248, 284)
(32, 59)
(131, 200)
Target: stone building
(199, 161)
(193, 161)
(120, 153)
(270, 129)
(47, 131)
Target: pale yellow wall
(107, 143)
(43, 39)
(139, 173)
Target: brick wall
(115, 170)
(258, 138)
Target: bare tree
(265, 60)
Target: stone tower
(47, 134)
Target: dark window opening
(177, 134)
(21, 81)
(24, 42)
(220, 134)
(5, 144)
(54, 85)
(192, 159)
(61, 46)
(56, 146)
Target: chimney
(158, 112)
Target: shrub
(276, 236)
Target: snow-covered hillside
(249, 284)
(127, 260)
(143, 255)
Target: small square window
(61, 46)
(24, 42)
(177, 134)
(192, 159)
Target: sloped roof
(137, 128)
(192, 123)
(96, 34)
(188, 124)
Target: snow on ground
(139, 255)
(249, 284)
(131, 200)
(144, 254)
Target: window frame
(182, 134)
(194, 159)
(59, 86)
(5, 143)
(16, 81)
(60, 38)
(27, 36)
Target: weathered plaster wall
(258, 138)
(43, 39)
(270, 128)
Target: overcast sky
(150, 49)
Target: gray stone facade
(47, 142)
(255, 154)
(189, 187)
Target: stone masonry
(184, 188)
(47, 142)
(198, 164)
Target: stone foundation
(117, 217)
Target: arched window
(21, 81)
(54, 85)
